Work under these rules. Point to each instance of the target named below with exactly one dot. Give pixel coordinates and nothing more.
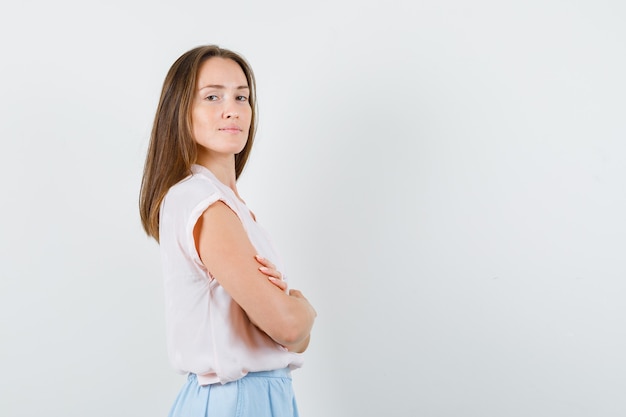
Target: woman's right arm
(225, 249)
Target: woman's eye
(242, 98)
(211, 97)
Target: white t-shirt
(207, 333)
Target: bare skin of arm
(224, 246)
(276, 278)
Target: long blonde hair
(172, 149)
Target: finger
(271, 272)
(278, 282)
(268, 268)
(296, 293)
(265, 262)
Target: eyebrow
(221, 87)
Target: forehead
(220, 71)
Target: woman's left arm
(276, 278)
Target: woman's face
(221, 112)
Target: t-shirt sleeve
(188, 238)
(182, 206)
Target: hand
(298, 294)
(273, 275)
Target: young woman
(232, 324)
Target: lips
(231, 129)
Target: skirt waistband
(274, 373)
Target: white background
(445, 179)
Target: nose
(230, 111)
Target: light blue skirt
(258, 394)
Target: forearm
(292, 322)
(229, 256)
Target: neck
(222, 168)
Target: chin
(240, 149)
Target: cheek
(195, 122)
(249, 117)
(200, 123)
(196, 129)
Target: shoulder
(190, 191)
(183, 204)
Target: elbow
(292, 331)
(292, 337)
